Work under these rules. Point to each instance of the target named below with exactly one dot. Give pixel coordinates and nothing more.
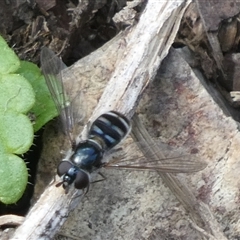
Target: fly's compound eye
(63, 168)
(72, 174)
(81, 180)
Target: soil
(70, 29)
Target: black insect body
(104, 134)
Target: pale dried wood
(145, 46)
(199, 212)
(11, 219)
(135, 204)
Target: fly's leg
(100, 180)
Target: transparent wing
(174, 162)
(52, 67)
(146, 153)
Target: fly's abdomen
(111, 127)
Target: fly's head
(71, 174)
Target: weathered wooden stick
(11, 220)
(145, 46)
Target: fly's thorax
(111, 128)
(87, 154)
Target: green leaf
(22, 91)
(16, 132)
(29, 70)
(44, 109)
(9, 61)
(13, 178)
(15, 93)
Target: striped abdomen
(111, 128)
